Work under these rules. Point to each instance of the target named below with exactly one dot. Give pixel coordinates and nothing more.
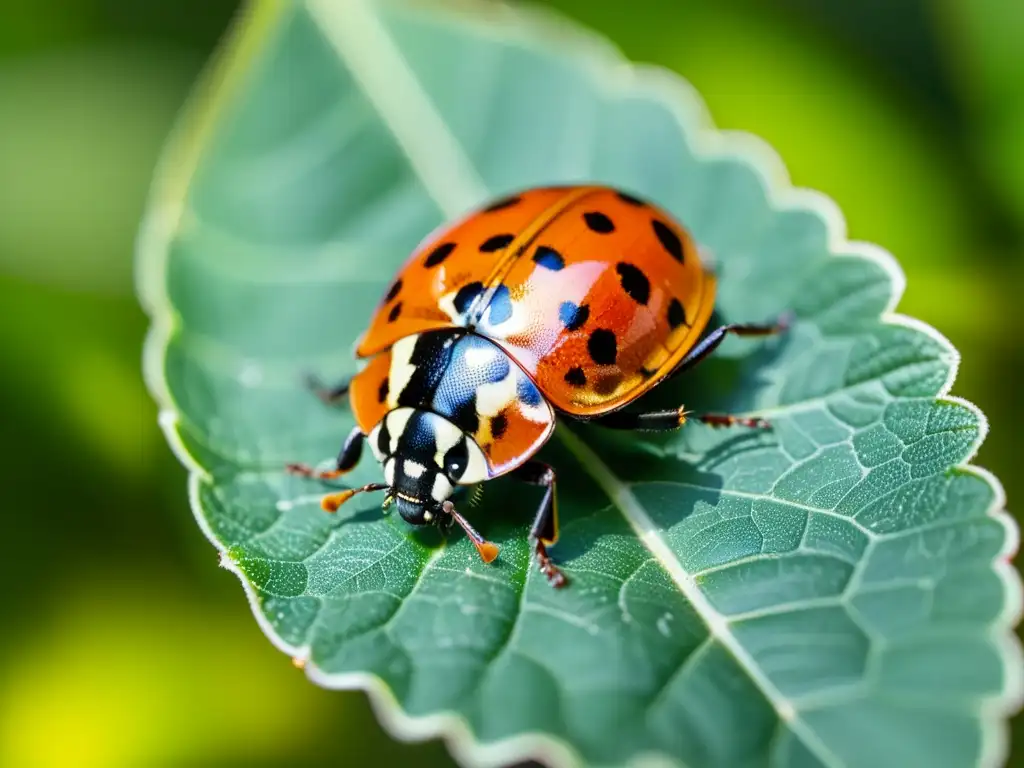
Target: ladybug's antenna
(332, 501)
(486, 549)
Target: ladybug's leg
(487, 550)
(717, 336)
(675, 418)
(329, 395)
(347, 459)
(545, 526)
(332, 501)
(672, 419)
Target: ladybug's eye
(456, 459)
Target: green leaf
(833, 592)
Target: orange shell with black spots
(596, 294)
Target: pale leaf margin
(610, 72)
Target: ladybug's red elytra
(559, 301)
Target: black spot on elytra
(506, 202)
(573, 316)
(669, 240)
(630, 199)
(602, 346)
(393, 290)
(598, 222)
(466, 295)
(575, 377)
(395, 312)
(676, 314)
(496, 243)
(646, 372)
(548, 258)
(382, 391)
(498, 426)
(439, 254)
(634, 282)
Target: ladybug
(559, 301)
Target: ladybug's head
(425, 457)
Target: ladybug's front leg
(486, 549)
(347, 459)
(544, 533)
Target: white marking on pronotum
(389, 472)
(401, 369)
(373, 439)
(494, 397)
(397, 420)
(446, 436)
(413, 469)
(476, 467)
(442, 488)
(478, 356)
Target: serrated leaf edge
(610, 73)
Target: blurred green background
(123, 643)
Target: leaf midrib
(718, 627)
(368, 51)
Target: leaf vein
(621, 495)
